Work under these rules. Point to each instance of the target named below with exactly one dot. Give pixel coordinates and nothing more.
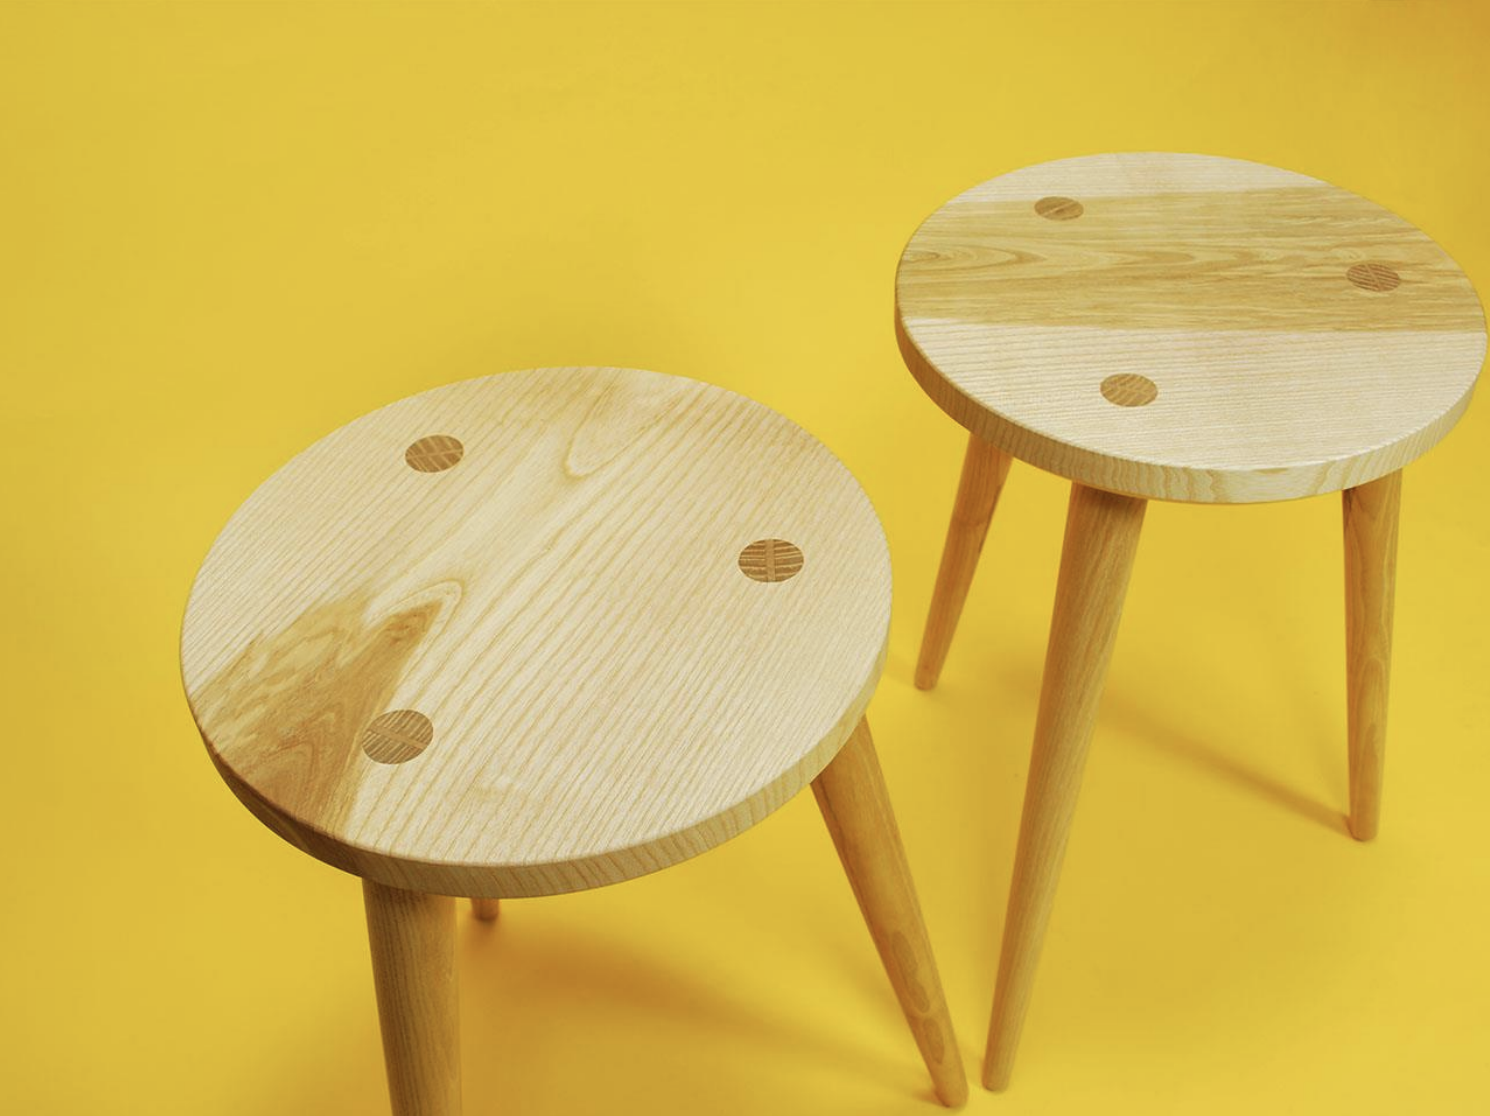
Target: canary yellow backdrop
(228, 228)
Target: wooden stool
(1174, 327)
(545, 631)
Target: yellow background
(229, 229)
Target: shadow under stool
(1174, 327)
(545, 631)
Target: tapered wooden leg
(1101, 538)
(1370, 579)
(984, 469)
(851, 794)
(486, 909)
(413, 955)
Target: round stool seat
(1185, 327)
(538, 631)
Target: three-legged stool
(545, 631)
(1174, 327)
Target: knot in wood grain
(1059, 209)
(434, 454)
(771, 560)
(1373, 277)
(397, 736)
(1128, 389)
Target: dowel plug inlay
(1374, 277)
(1059, 209)
(1128, 389)
(397, 736)
(771, 560)
(434, 454)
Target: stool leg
(1101, 539)
(984, 468)
(851, 794)
(413, 955)
(486, 909)
(1370, 579)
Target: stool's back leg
(486, 909)
(1101, 539)
(413, 954)
(851, 794)
(1371, 513)
(984, 469)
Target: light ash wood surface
(513, 636)
(985, 467)
(1186, 327)
(1371, 513)
(855, 805)
(1102, 530)
(412, 938)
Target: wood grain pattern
(1371, 515)
(1059, 209)
(1374, 277)
(771, 560)
(1102, 531)
(1290, 260)
(856, 807)
(607, 693)
(434, 453)
(397, 736)
(1300, 338)
(985, 467)
(412, 937)
(1128, 389)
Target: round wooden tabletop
(1186, 327)
(538, 631)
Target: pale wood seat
(1174, 327)
(1181, 327)
(546, 631)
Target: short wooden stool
(1174, 327)
(545, 631)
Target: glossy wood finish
(856, 807)
(538, 631)
(1267, 335)
(1102, 531)
(413, 957)
(984, 470)
(1371, 515)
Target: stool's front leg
(984, 470)
(413, 955)
(852, 796)
(1101, 539)
(1370, 579)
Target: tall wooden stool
(545, 631)
(1174, 327)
